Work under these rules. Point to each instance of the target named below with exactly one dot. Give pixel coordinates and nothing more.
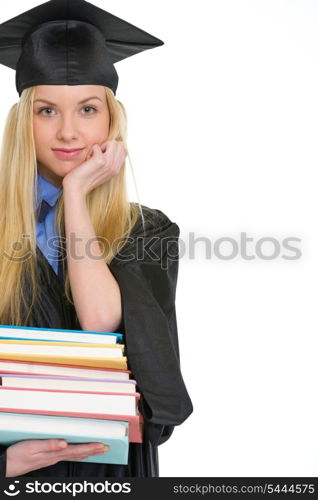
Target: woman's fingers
(74, 451)
(33, 454)
(35, 446)
(104, 162)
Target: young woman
(74, 252)
(109, 284)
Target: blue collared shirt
(45, 230)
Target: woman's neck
(50, 176)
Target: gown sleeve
(146, 270)
(3, 460)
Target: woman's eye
(45, 109)
(88, 108)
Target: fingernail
(101, 452)
(62, 444)
(101, 448)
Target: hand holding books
(26, 456)
(68, 384)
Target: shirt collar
(47, 191)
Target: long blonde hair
(112, 216)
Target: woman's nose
(67, 129)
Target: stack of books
(69, 384)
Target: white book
(67, 402)
(62, 384)
(12, 422)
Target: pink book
(53, 369)
(60, 377)
(58, 403)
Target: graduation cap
(69, 42)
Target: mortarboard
(69, 42)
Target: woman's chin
(63, 167)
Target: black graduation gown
(147, 279)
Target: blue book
(15, 427)
(57, 335)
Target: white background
(223, 123)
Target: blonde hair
(112, 216)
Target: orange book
(71, 353)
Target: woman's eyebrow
(80, 102)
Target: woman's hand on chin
(102, 163)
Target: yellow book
(66, 353)
(113, 363)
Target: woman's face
(67, 117)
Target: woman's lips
(67, 155)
